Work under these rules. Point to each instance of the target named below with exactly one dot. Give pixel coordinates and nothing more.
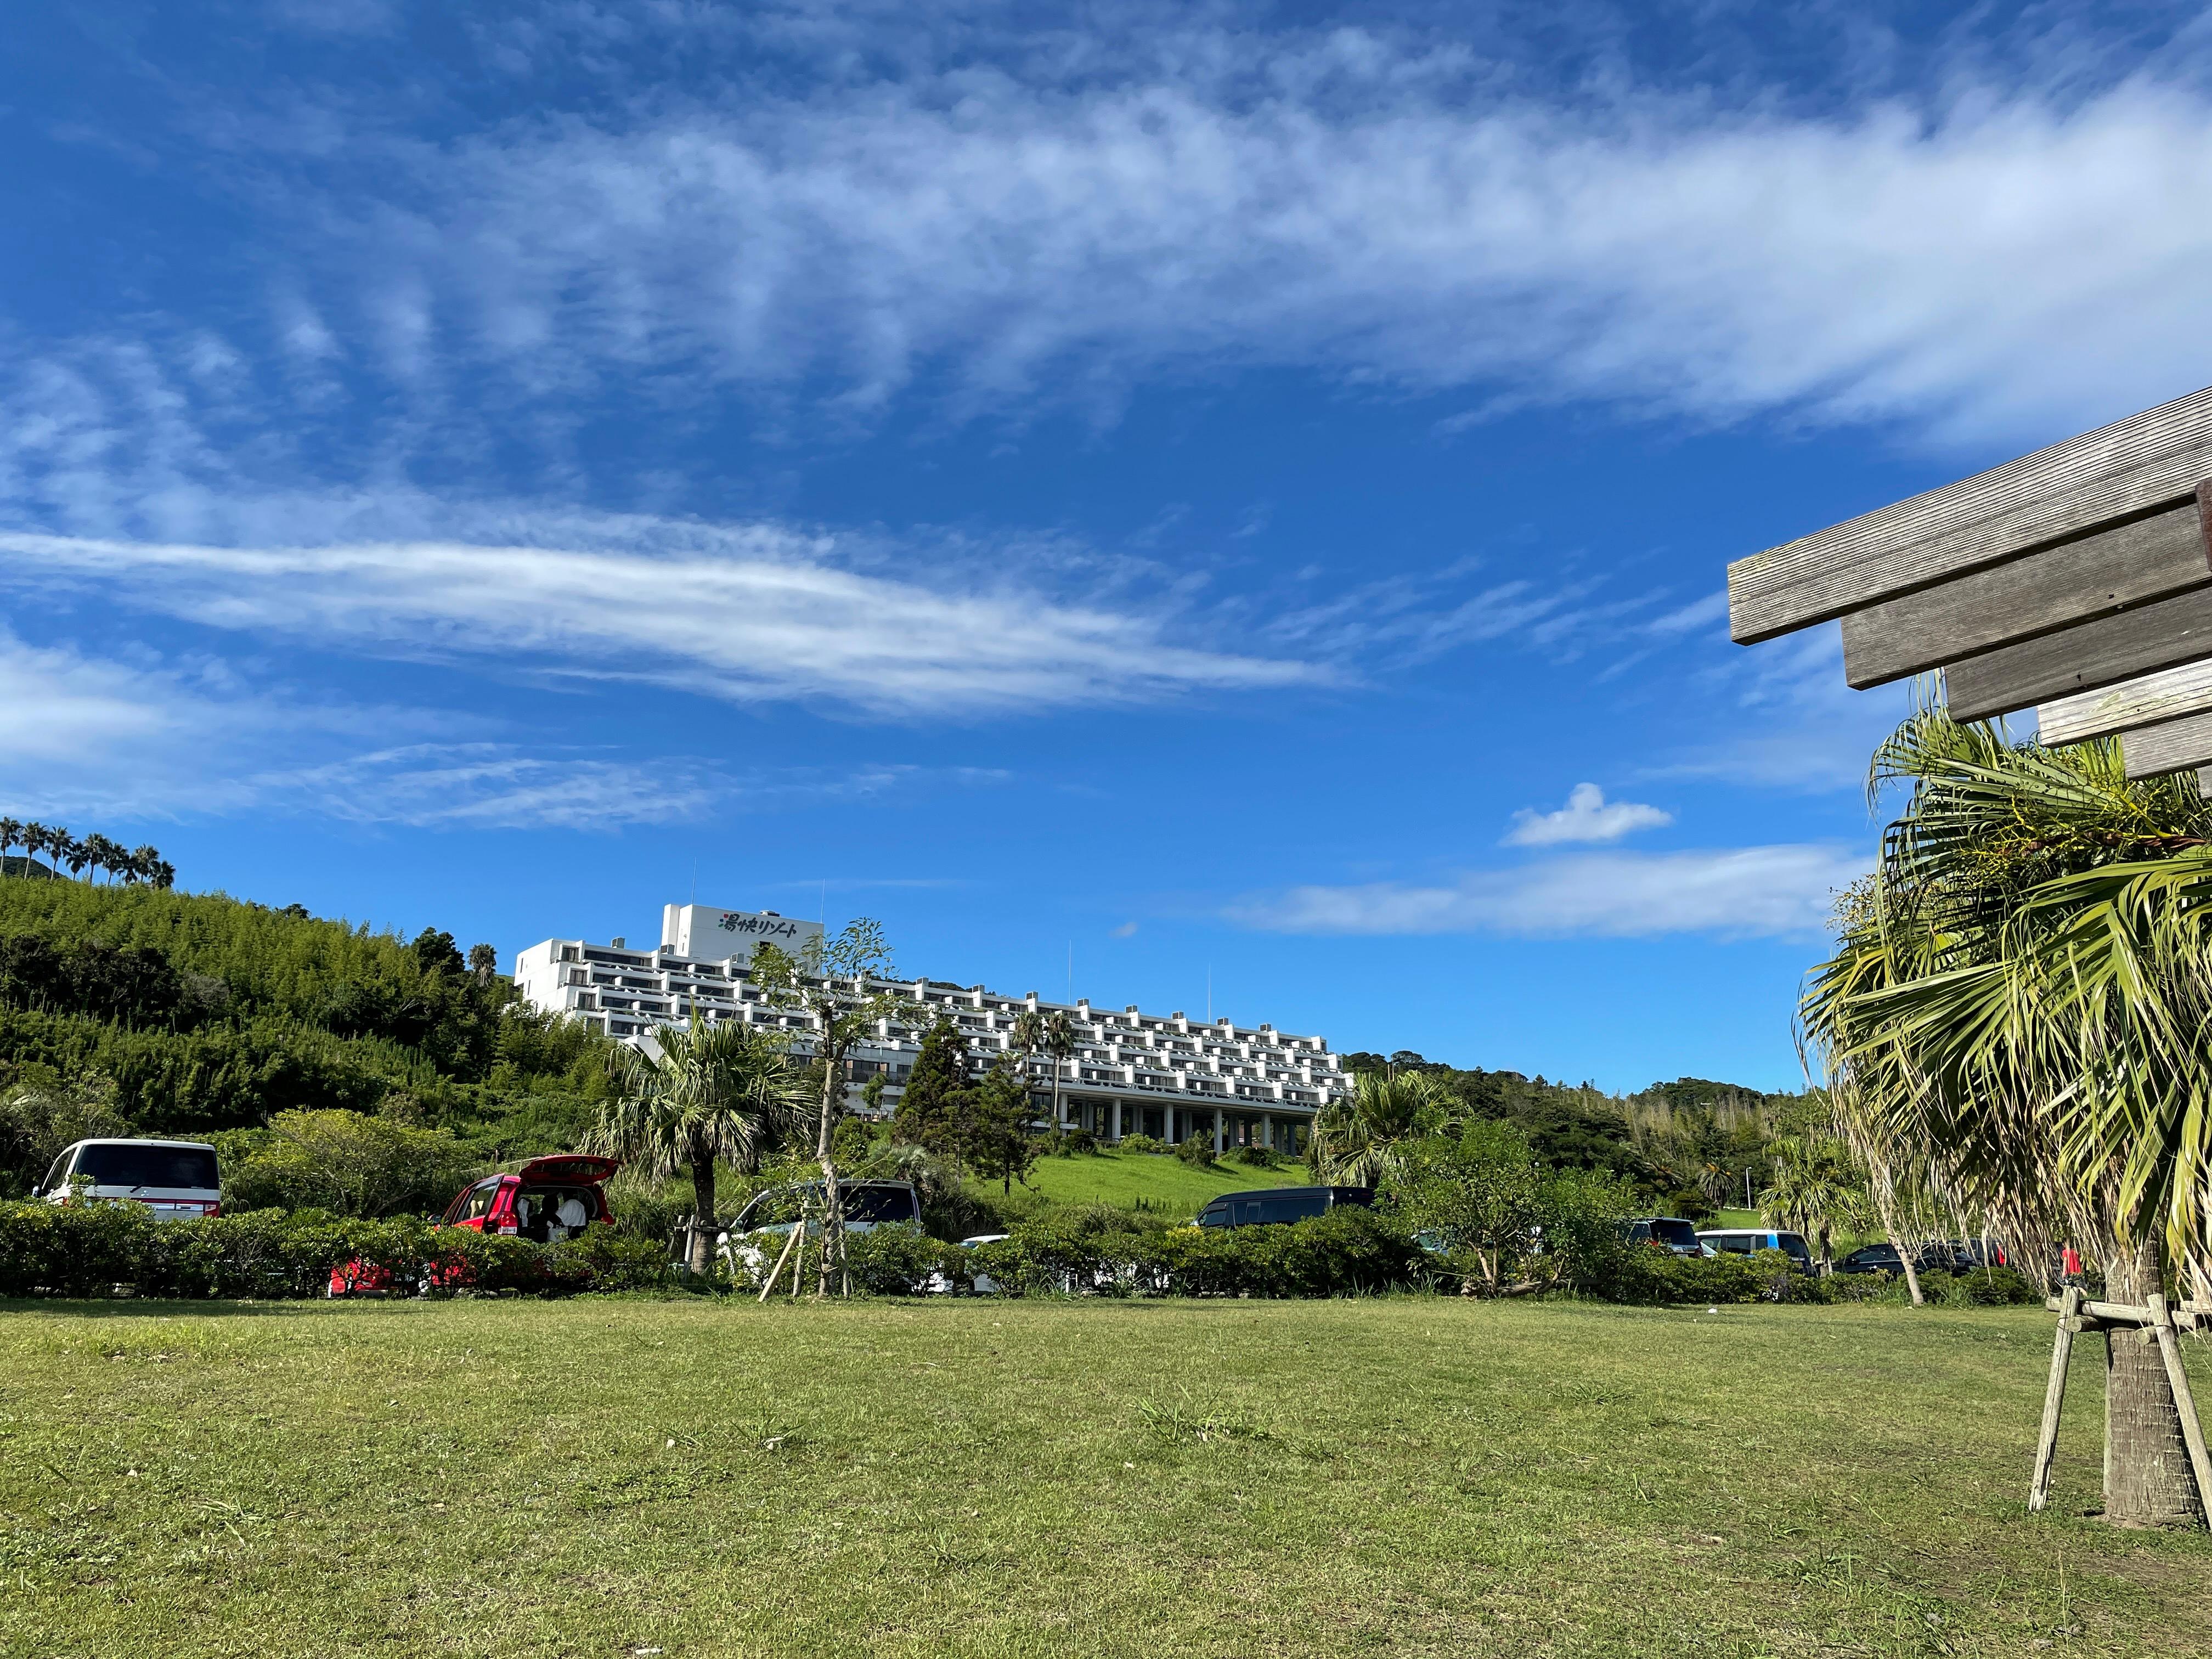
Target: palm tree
(36, 839)
(1053, 1036)
(70, 851)
(145, 863)
(1816, 1187)
(1024, 1039)
(2022, 998)
(700, 1092)
(98, 851)
(165, 874)
(1059, 1045)
(10, 831)
(1357, 1142)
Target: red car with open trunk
(548, 1199)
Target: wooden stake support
(2162, 1321)
(2054, 1398)
(775, 1273)
(2192, 1432)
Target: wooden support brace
(2192, 1430)
(2054, 1398)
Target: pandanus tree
(696, 1095)
(2021, 1002)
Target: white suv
(177, 1180)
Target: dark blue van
(1270, 1205)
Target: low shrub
(1142, 1143)
(1255, 1158)
(90, 1249)
(1198, 1150)
(902, 1260)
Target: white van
(177, 1180)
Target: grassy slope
(1404, 1476)
(1166, 1181)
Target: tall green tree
(11, 832)
(2024, 1001)
(695, 1094)
(994, 1126)
(933, 1102)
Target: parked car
(984, 1284)
(1887, 1258)
(1264, 1206)
(1747, 1241)
(1664, 1232)
(758, 1235)
(176, 1180)
(548, 1199)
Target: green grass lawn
(1168, 1182)
(1407, 1475)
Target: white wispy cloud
(749, 613)
(1992, 258)
(1587, 817)
(146, 738)
(1733, 892)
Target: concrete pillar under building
(1217, 1125)
(1117, 1119)
(1267, 1130)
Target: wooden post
(2192, 1432)
(776, 1272)
(2054, 1397)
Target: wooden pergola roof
(2075, 580)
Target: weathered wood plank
(2149, 460)
(2152, 751)
(2107, 571)
(2167, 695)
(2164, 634)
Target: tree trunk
(703, 1223)
(833, 1206)
(1888, 1213)
(2147, 1482)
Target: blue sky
(1227, 496)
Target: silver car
(177, 1180)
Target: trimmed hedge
(1347, 1251)
(94, 1249)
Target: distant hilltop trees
(96, 853)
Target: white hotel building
(1164, 1075)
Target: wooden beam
(2164, 634)
(2205, 782)
(2152, 751)
(2148, 461)
(2165, 695)
(2107, 571)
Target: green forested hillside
(180, 1013)
(1687, 1144)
